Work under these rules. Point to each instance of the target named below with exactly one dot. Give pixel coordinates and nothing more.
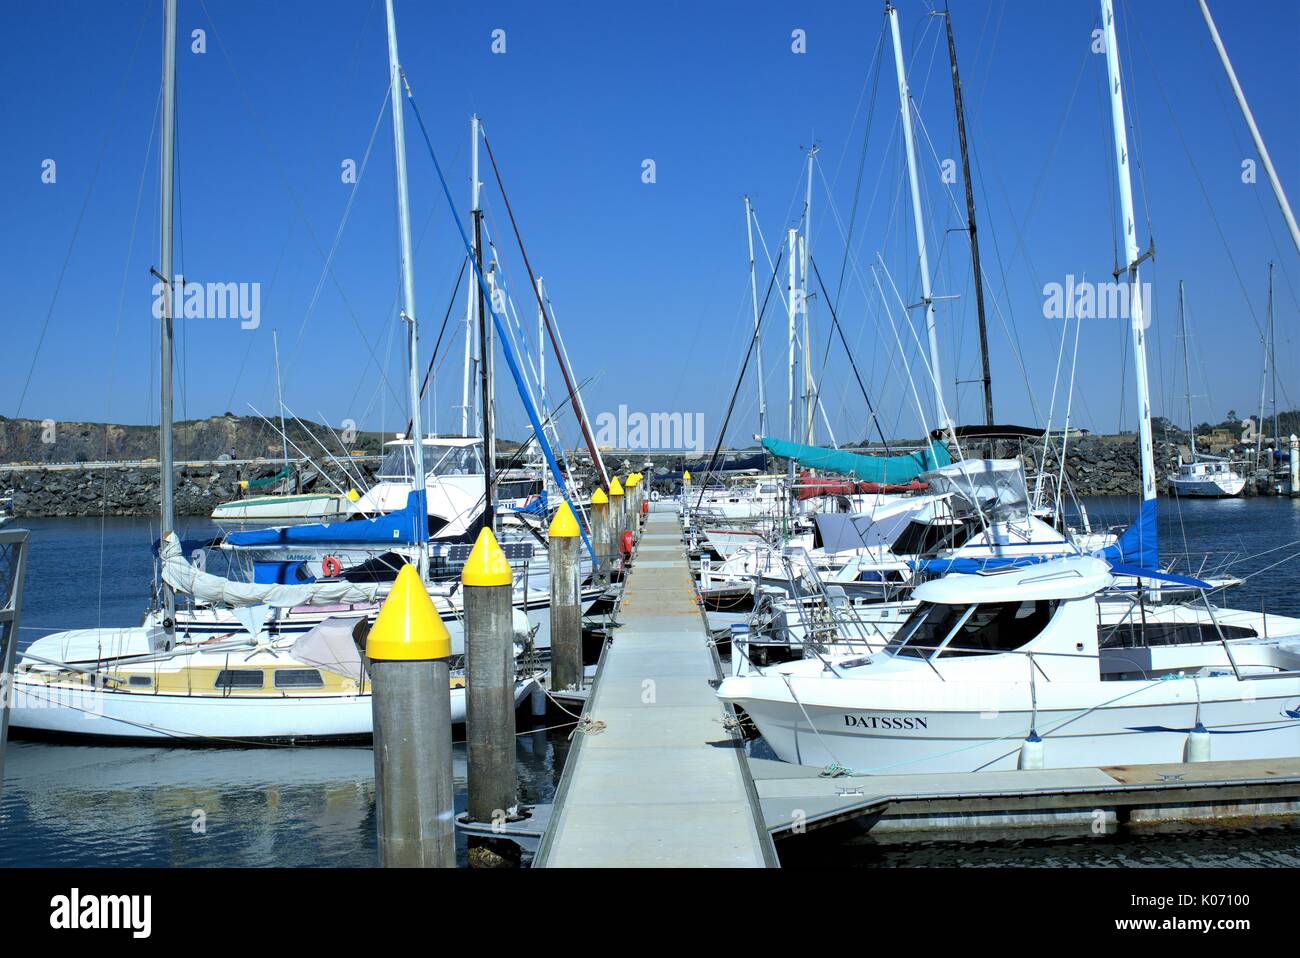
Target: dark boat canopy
(990, 432)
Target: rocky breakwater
(113, 490)
(1102, 465)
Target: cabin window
(1000, 627)
(518, 489)
(926, 629)
(140, 681)
(298, 679)
(1137, 635)
(239, 679)
(924, 538)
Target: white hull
(905, 741)
(1208, 488)
(75, 712)
(1150, 726)
(259, 508)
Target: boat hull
(261, 508)
(929, 740)
(44, 712)
(1222, 488)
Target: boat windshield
(957, 630)
(925, 629)
(399, 461)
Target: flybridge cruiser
(990, 661)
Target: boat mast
(1272, 349)
(488, 423)
(279, 397)
(1187, 372)
(471, 300)
(792, 238)
(918, 222)
(805, 251)
(970, 222)
(541, 342)
(1131, 254)
(758, 342)
(166, 160)
(408, 284)
(1278, 192)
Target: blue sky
(650, 281)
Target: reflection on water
(1267, 843)
(119, 806)
(92, 805)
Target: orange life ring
(330, 567)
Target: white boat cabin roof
(1075, 577)
(452, 441)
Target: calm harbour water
(74, 805)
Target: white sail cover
(330, 646)
(218, 590)
(994, 487)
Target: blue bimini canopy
(890, 470)
(405, 527)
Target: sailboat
(1016, 667)
(1202, 476)
(247, 685)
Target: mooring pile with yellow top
(617, 512)
(600, 537)
(565, 540)
(489, 679)
(408, 649)
(637, 498)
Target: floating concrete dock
(657, 775)
(796, 799)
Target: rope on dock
(588, 725)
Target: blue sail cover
(1139, 544)
(891, 470)
(405, 527)
(538, 506)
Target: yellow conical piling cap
(353, 495)
(615, 487)
(408, 627)
(686, 476)
(564, 525)
(598, 498)
(486, 564)
(632, 480)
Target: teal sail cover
(884, 469)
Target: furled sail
(218, 590)
(885, 469)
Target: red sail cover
(810, 487)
